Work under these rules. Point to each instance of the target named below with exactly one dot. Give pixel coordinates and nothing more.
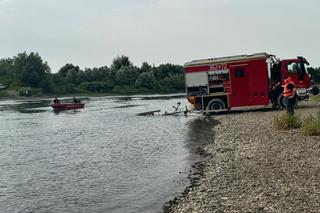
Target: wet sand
(252, 167)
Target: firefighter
(76, 100)
(56, 100)
(289, 94)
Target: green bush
(70, 88)
(29, 91)
(97, 86)
(2, 93)
(129, 90)
(315, 98)
(146, 80)
(311, 125)
(285, 122)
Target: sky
(92, 33)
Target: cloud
(92, 33)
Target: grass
(311, 125)
(285, 122)
(2, 94)
(315, 99)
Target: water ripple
(99, 159)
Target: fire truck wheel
(275, 106)
(216, 104)
(281, 101)
(315, 90)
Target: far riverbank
(12, 94)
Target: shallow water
(99, 159)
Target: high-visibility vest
(288, 92)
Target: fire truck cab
(243, 80)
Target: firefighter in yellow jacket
(289, 94)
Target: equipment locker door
(240, 87)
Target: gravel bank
(255, 168)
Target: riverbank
(254, 168)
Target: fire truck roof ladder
(227, 59)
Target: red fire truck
(244, 80)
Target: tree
(97, 86)
(30, 69)
(69, 73)
(315, 73)
(165, 69)
(145, 67)
(120, 61)
(146, 80)
(175, 81)
(47, 84)
(6, 66)
(97, 74)
(7, 71)
(127, 75)
(66, 68)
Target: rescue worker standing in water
(289, 94)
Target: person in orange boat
(56, 100)
(76, 100)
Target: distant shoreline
(11, 96)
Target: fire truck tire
(282, 103)
(216, 104)
(315, 90)
(275, 105)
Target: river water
(102, 158)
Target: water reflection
(148, 97)
(163, 97)
(127, 106)
(26, 106)
(71, 111)
(200, 132)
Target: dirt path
(255, 168)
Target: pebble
(252, 167)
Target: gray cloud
(92, 33)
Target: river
(102, 158)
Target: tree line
(30, 75)
(315, 73)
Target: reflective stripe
(288, 92)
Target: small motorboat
(67, 106)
